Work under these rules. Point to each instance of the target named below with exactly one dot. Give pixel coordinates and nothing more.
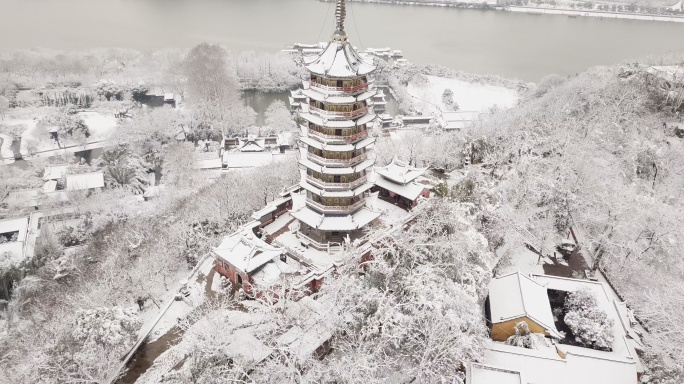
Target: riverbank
(593, 13)
(488, 4)
(535, 10)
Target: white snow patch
(468, 96)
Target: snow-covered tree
(109, 90)
(4, 106)
(68, 123)
(278, 117)
(588, 322)
(124, 169)
(525, 338)
(107, 326)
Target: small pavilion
(400, 183)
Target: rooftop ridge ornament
(340, 14)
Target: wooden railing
(351, 115)
(325, 161)
(355, 88)
(325, 184)
(335, 208)
(347, 139)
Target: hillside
(599, 152)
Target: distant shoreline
(595, 13)
(533, 10)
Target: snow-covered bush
(107, 326)
(587, 321)
(71, 236)
(448, 97)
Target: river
(484, 42)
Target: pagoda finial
(340, 13)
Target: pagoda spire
(340, 14)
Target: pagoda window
(340, 83)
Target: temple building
(335, 154)
(401, 184)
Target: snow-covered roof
(338, 59)
(245, 251)
(85, 181)
(319, 321)
(272, 272)
(247, 159)
(320, 96)
(410, 190)
(54, 172)
(460, 115)
(399, 171)
(347, 123)
(486, 374)
(251, 144)
(209, 163)
(338, 147)
(15, 225)
(335, 223)
(515, 295)
(24, 197)
(155, 91)
(591, 366)
(270, 207)
(547, 366)
(246, 348)
(343, 193)
(298, 94)
(50, 186)
(336, 171)
(539, 366)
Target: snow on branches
(525, 338)
(107, 326)
(588, 322)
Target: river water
(484, 42)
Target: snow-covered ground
(468, 96)
(101, 126)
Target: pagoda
(335, 155)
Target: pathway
(136, 352)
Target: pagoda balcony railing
(343, 162)
(335, 208)
(351, 115)
(346, 139)
(330, 185)
(356, 88)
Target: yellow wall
(501, 331)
